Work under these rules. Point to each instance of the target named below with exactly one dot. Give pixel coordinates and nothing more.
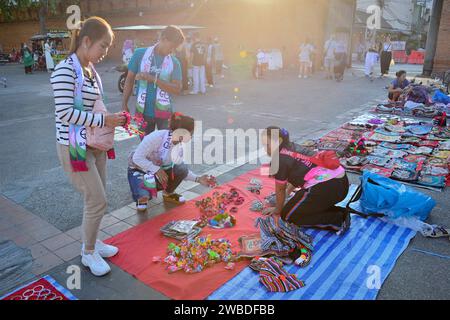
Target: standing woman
(386, 55)
(76, 87)
(48, 56)
(28, 59)
(306, 50)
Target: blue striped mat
(351, 267)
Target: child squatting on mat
(157, 164)
(319, 180)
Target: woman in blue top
(398, 86)
(159, 76)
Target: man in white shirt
(329, 56)
(306, 49)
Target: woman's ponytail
(74, 39)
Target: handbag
(100, 138)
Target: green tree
(8, 9)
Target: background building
(437, 59)
(241, 24)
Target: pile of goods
(255, 186)
(194, 255)
(406, 149)
(217, 210)
(180, 230)
(420, 101)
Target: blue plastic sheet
(392, 198)
(441, 97)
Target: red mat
(43, 289)
(140, 244)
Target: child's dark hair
(282, 134)
(180, 121)
(400, 73)
(94, 28)
(173, 34)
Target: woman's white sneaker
(95, 263)
(105, 250)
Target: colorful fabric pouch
(276, 279)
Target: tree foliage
(8, 8)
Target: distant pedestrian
(219, 57)
(260, 63)
(340, 60)
(28, 59)
(48, 57)
(306, 50)
(182, 55)
(329, 57)
(210, 62)
(386, 56)
(198, 58)
(372, 58)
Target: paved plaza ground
(40, 210)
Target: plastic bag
(440, 97)
(385, 196)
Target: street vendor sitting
(322, 181)
(157, 164)
(397, 88)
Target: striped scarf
(276, 279)
(77, 134)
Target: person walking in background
(372, 58)
(28, 59)
(182, 55)
(341, 60)
(219, 58)
(188, 44)
(198, 58)
(361, 49)
(48, 56)
(260, 62)
(210, 62)
(306, 50)
(386, 56)
(329, 57)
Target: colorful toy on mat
(219, 203)
(212, 181)
(138, 128)
(257, 206)
(194, 255)
(222, 221)
(255, 186)
(357, 148)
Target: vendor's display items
(273, 276)
(255, 186)
(406, 149)
(222, 221)
(194, 255)
(181, 230)
(421, 101)
(218, 208)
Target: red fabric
(416, 57)
(139, 245)
(327, 160)
(400, 56)
(35, 291)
